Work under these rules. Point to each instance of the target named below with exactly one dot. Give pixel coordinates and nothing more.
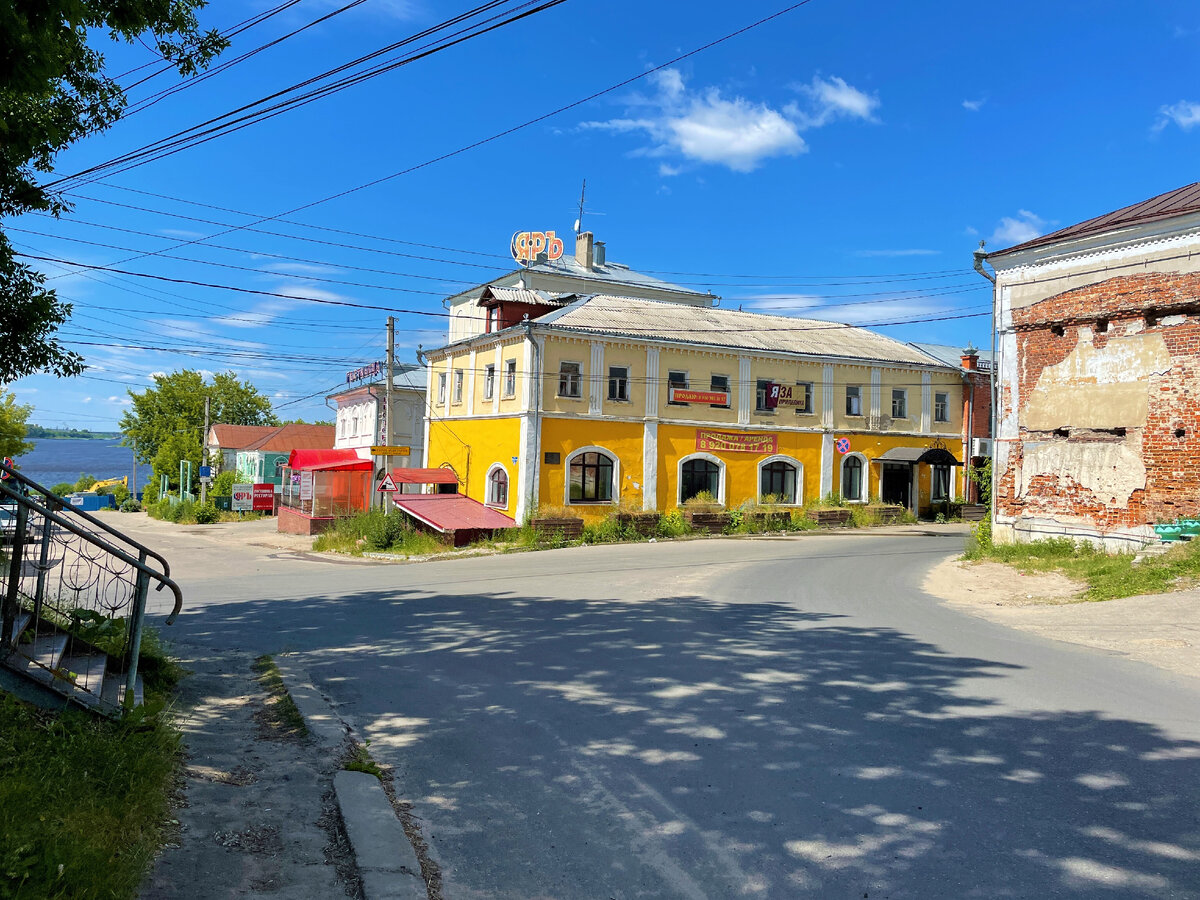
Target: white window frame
(721, 477)
(812, 399)
(904, 399)
(624, 378)
(578, 382)
(487, 486)
(946, 417)
(791, 461)
(728, 390)
(458, 387)
(858, 395)
(675, 384)
(865, 490)
(489, 381)
(616, 485)
(510, 378)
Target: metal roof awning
(932, 456)
(424, 476)
(343, 459)
(452, 512)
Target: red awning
(424, 476)
(343, 460)
(451, 512)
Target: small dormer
(504, 307)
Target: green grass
(284, 712)
(84, 801)
(359, 759)
(1107, 576)
(380, 532)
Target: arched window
(497, 486)
(699, 474)
(780, 477)
(590, 477)
(854, 484)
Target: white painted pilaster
(876, 390)
(926, 401)
(747, 391)
(497, 379)
(596, 379)
(827, 457)
(652, 387)
(650, 465)
(827, 400)
(471, 376)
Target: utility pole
(133, 484)
(204, 459)
(387, 402)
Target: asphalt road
(730, 718)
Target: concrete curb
(387, 862)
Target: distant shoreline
(36, 433)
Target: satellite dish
(577, 226)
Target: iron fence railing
(64, 569)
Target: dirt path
(1160, 629)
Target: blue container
(91, 502)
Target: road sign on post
(387, 486)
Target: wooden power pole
(204, 458)
(387, 402)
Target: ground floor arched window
(590, 478)
(699, 475)
(497, 487)
(779, 479)
(853, 479)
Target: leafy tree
(177, 447)
(53, 92)
(12, 425)
(175, 406)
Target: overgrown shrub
(702, 502)
(223, 484)
(207, 513)
(62, 488)
(673, 524)
(130, 505)
(85, 482)
(120, 494)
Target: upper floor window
(762, 387)
(941, 407)
(899, 403)
(458, 385)
(803, 395)
(853, 400)
(570, 379)
(441, 387)
(494, 319)
(618, 382)
(679, 380)
(489, 382)
(510, 378)
(720, 383)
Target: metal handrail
(104, 526)
(65, 522)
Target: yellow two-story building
(610, 399)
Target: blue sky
(840, 162)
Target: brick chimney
(584, 250)
(970, 358)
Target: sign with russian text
(529, 246)
(306, 486)
(787, 396)
(263, 497)
(735, 442)
(242, 498)
(373, 370)
(391, 451)
(687, 395)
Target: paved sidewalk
(258, 819)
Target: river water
(53, 461)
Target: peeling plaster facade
(1098, 431)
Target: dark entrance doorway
(897, 483)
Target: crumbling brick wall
(1109, 387)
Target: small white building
(360, 423)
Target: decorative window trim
(721, 473)
(866, 474)
(487, 486)
(946, 418)
(791, 461)
(442, 388)
(510, 390)
(489, 381)
(616, 477)
(578, 380)
(728, 390)
(456, 398)
(812, 401)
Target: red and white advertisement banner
(687, 395)
(263, 497)
(786, 396)
(243, 498)
(736, 442)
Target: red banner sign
(734, 442)
(787, 396)
(263, 497)
(686, 395)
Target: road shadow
(684, 747)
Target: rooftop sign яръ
(529, 246)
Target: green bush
(85, 482)
(62, 488)
(207, 513)
(130, 505)
(383, 530)
(223, 484)
(673, 524)
(120, 493)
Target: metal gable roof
(664, 321)
(1173, 203)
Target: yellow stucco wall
(471, 446)
(622, 440)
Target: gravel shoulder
(1160, 629)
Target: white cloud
(973, 105)
(970, 231)
(86, 400)
(156, 374)
(912, 252)
(828, 309)
(119, 401)
(708, 127)
(1024, 227)
(833, 98)
(1185, 114)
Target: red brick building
(1099, 376)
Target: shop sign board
(263, 497)
(390, 451)
(785, 396)
(242, 498)
(736, 442)
(306, 486)
(529, 246)
(687, 395)
(371, 371)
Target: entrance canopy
(340, 460)
(933, 456)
